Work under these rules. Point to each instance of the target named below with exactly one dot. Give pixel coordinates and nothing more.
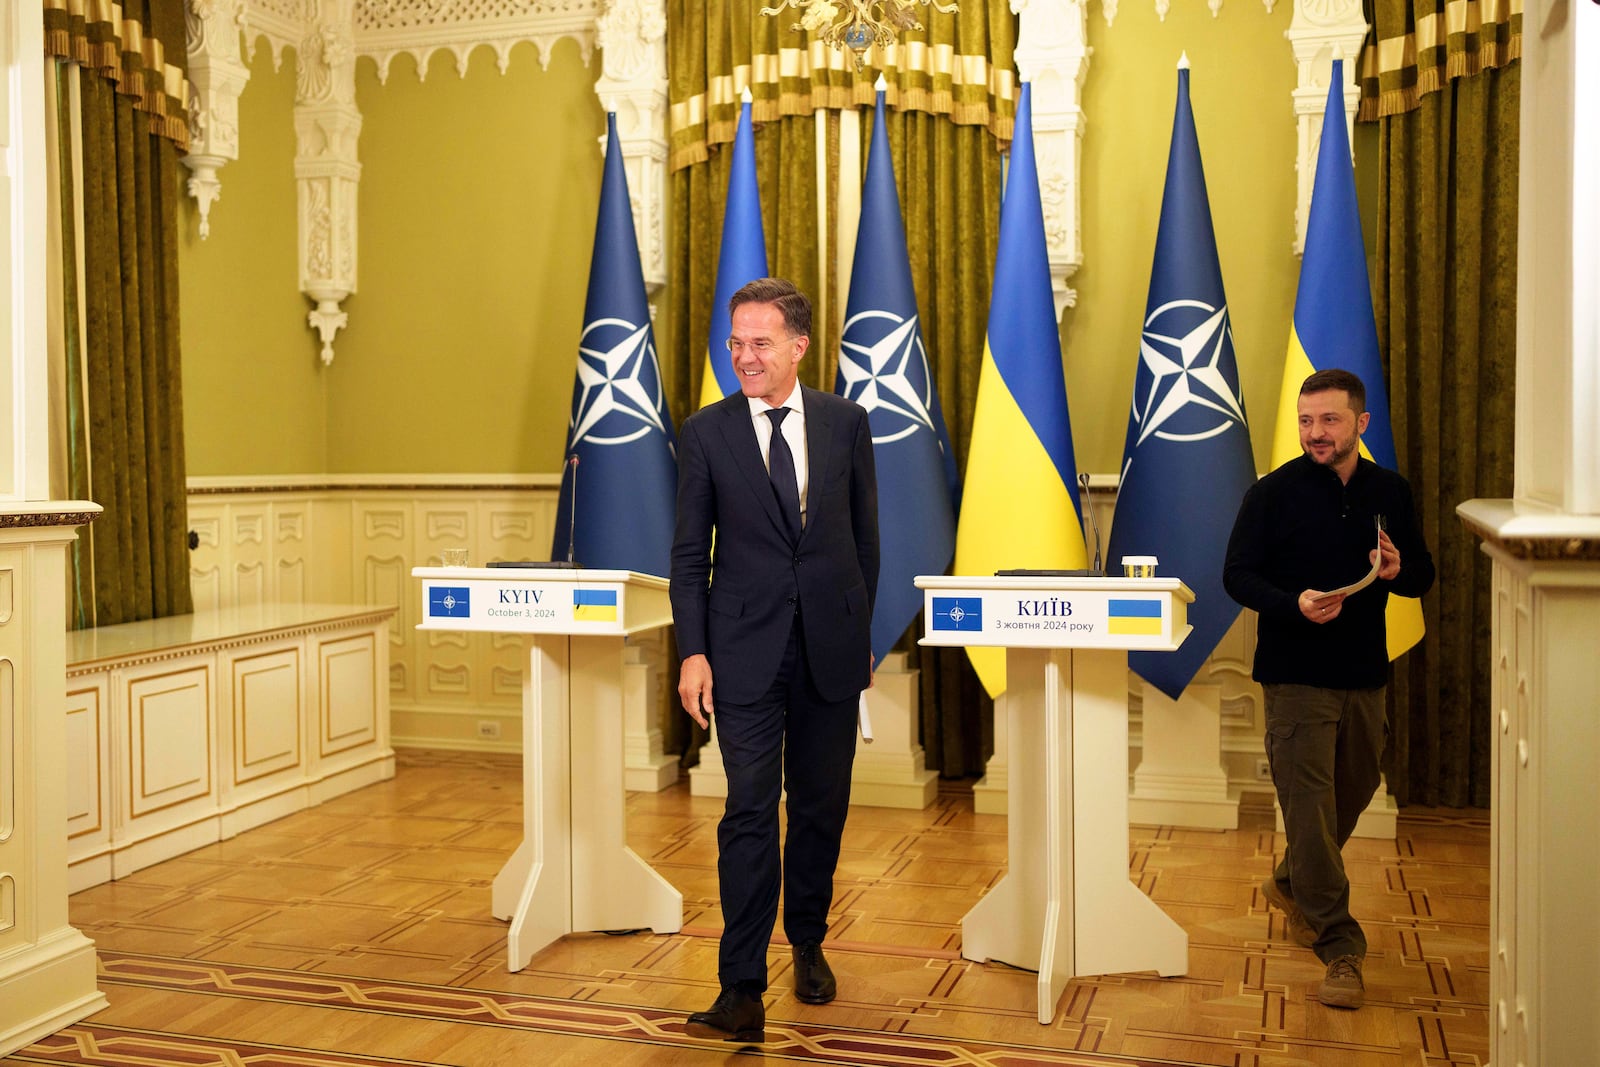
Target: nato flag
(625, 480)
(1186, 462)
(884, 368)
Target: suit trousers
(1323, 746)
(790, 737)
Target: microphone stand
(1083, 483)
(572, 529)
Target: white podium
(573, 870)
(1065, 906)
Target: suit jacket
(737, 605)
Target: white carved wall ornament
(632, 35)
(327, 173)
(329, 35)
(419, 28)
(281, 22)
(1108, 8)
(217, 69)
(1052, 54)
(1320, 32)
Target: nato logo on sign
(449, 602)
(962, 613)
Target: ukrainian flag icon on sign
(449, 602)
(1134, 616)
(961, 613)
(594, 605)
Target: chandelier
(858, 24)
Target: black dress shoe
(736, 1016)
(813, 978)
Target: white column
(891, 772)
(646, 768)
(1321, 31)
(632, 35)
(989, 792)
(47, 968)
(708, 778)
(1545, 544)
(1180, 780)
(1052, 54)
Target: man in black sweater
(1320, 523)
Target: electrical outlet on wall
(1263, 770)
(488, 730)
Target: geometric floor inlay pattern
(358, 933)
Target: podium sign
(1015, 611)
(573, 870)
(529, 602)
(1065, 906)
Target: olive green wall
(478, 201)
(1242, 73)
(477, 207)
(255, 400)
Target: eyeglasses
(755, 348)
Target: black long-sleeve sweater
(1301, 528)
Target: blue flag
(1186, 462)
(626, 474)
(742, 259)
(884, 368)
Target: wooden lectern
(573, 870)
(1065, 906)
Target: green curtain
(951, 97)
(124, 346)
(1445, 298)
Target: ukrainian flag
(1019, 503)
(1134, 617)
(742, 259)
(594, 605)
(1334, 325)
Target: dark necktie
(780, 468)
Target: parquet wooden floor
(358, 933)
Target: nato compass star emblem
(622, 395)
(885, 370)
(1183, 394)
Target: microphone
(1083, 483)
(572, 511)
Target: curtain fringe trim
(134, 73)
(1490, 55)
(721, 132)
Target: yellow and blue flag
(883, 366)
(1334, 324)
(1133, 616)
(742, 259)
(1019, 504)
(1186, 461)
(594, 605)
(621, 430)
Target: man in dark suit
(776, 608)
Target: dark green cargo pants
(1324, 746)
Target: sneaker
(1300, 931)
(1342, 986)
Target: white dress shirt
(794, 432)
